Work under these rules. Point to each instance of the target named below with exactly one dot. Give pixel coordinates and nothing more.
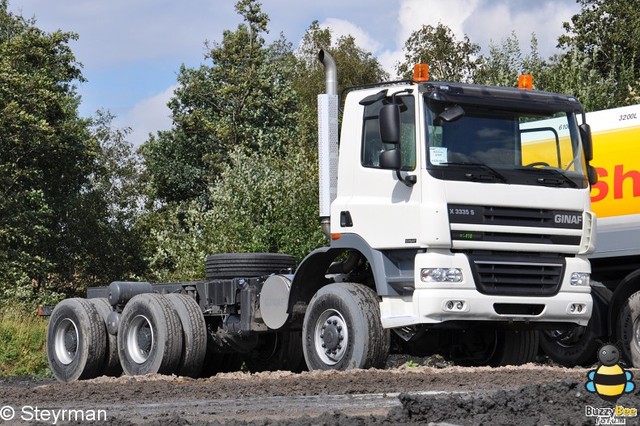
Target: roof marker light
(525, 82)
(420, 72)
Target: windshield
(471, 142)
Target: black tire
(517, 348)
(112, 365)
(76, 341)
(194, 333)
(149, 336)
(576, 346)
(350, 314)
(219, 362)
(280, 351)
(495, 348)
(628, 330)
(246, 265)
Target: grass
(22, 343)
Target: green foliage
(45, 156)
(243, 98)
(448, 58)
(355, 67)
(603, 46)
(23, 340)
(261, 203)
(107, 212)
(506, 61)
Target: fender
(311, 275)
(393, 270)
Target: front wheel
(342, 329)
(628, 329)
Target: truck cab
(470, 203)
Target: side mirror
(587, 143)
(390, 124)
(592, 175)
(391, 160)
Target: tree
(46, 155)
(606, 35)
(243, 98)
(109, 242)
(448, 58)
(355, 66)
(506, 61)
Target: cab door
(383, 209)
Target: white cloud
(413, 14)
(148, 116)
(495, 21)
(340, 27)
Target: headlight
(580, 278)
(441, 275)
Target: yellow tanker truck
(615, 264)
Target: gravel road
(526, 395)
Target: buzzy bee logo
(610, 381)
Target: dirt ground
(527, 395)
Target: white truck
(459, 221)
(616, 261)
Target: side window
(372, 145)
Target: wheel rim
(566, 339)
(636, 332)
(66, 341)
(331, 337)
(139, 339)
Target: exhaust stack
(328, 140)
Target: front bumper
(433, 303)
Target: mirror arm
(408, 180)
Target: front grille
(490, 224)
(521, 275)
(510, 216)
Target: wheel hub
(66, 341)
(332, 337)
(139, 339)
(70, 341)
(144, 340)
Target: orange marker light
(421, 72)
(335, 236)
(525, 81)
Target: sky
(131, 50)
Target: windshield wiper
(563, 179)
(553, 181)
(475, 177)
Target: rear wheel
(112, 365)
(76, 341)
(149, 336)
(277, 351)
(628, 329)
(496, 347)
(233, 265)
(194, 332)
(575, 346)
(519, 347)
(342, 329)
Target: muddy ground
(527, 395)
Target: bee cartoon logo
(609, 381)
